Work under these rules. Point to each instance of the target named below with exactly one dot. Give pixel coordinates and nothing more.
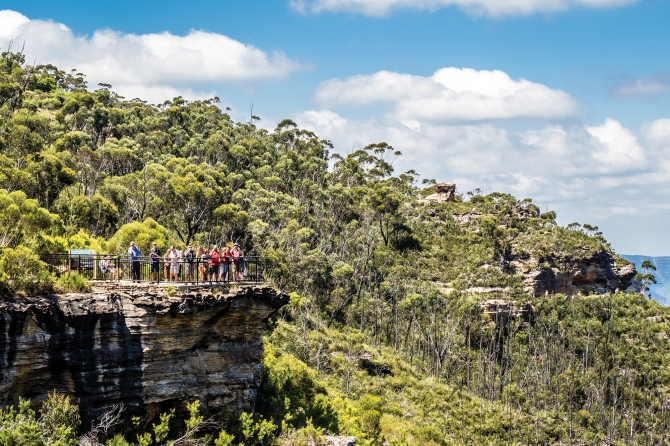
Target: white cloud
(595, 174)
(153, 64)
(645, 86)
(493, 8)
(10, 21)
(658, 132)
(620, 147)
(450, 94)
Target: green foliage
(60, 421)
(646, 278)
(144, 439)
(255, 429)
(195, 417)
(384, 337)
(224, 439)
(162, 428)
(20, 427)
(143, 234)
(21, 217)
(21, 270)
(118, 440)
(73, 282)
(370, 414)
(44, 243)
(291, 395)
(83, 240)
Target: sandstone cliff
(136, 344)
(597, 273)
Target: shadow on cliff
(94, 357)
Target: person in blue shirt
(134, 253)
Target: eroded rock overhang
(149, 347)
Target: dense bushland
(381, 339)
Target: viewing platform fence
(101, 267)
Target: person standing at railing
(134, 253)
(202, 267)
(166, 265)
(175, 259)
(238, 257)
(226, 260)
(215, 261)
(154, 266)
(189, 256)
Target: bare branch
(188, 439)
(109, 419)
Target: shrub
(290, 394)
(73, 282)
(143, 234)
(21, 270)
(45, 244)
(20, 216)
(60, 421)
(83, 240)
(19, 427)
(118, 440)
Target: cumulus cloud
(450, 94)
(645, 86)
(620, 147)
(150, 64)
(658, 132)
(586, 173)
(493, 8)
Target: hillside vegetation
(381, 339)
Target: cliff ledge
(150, 347)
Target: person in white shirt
(175, 259)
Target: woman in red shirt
(226, 259)
(214, 264)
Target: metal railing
(100, 267)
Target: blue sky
(588, 135)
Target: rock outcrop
(598, 273)
(502, 311)
(444, 192)
(332, 440)
(147, 347)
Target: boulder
(444, 192)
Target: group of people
(214, 265)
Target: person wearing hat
(134, 253)
(238, 255)
(154, 267)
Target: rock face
(331, 440)
(502, 311)
(138, 345)
(443, 192)
(596, 274)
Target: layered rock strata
(598, 273)
(148, 347)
